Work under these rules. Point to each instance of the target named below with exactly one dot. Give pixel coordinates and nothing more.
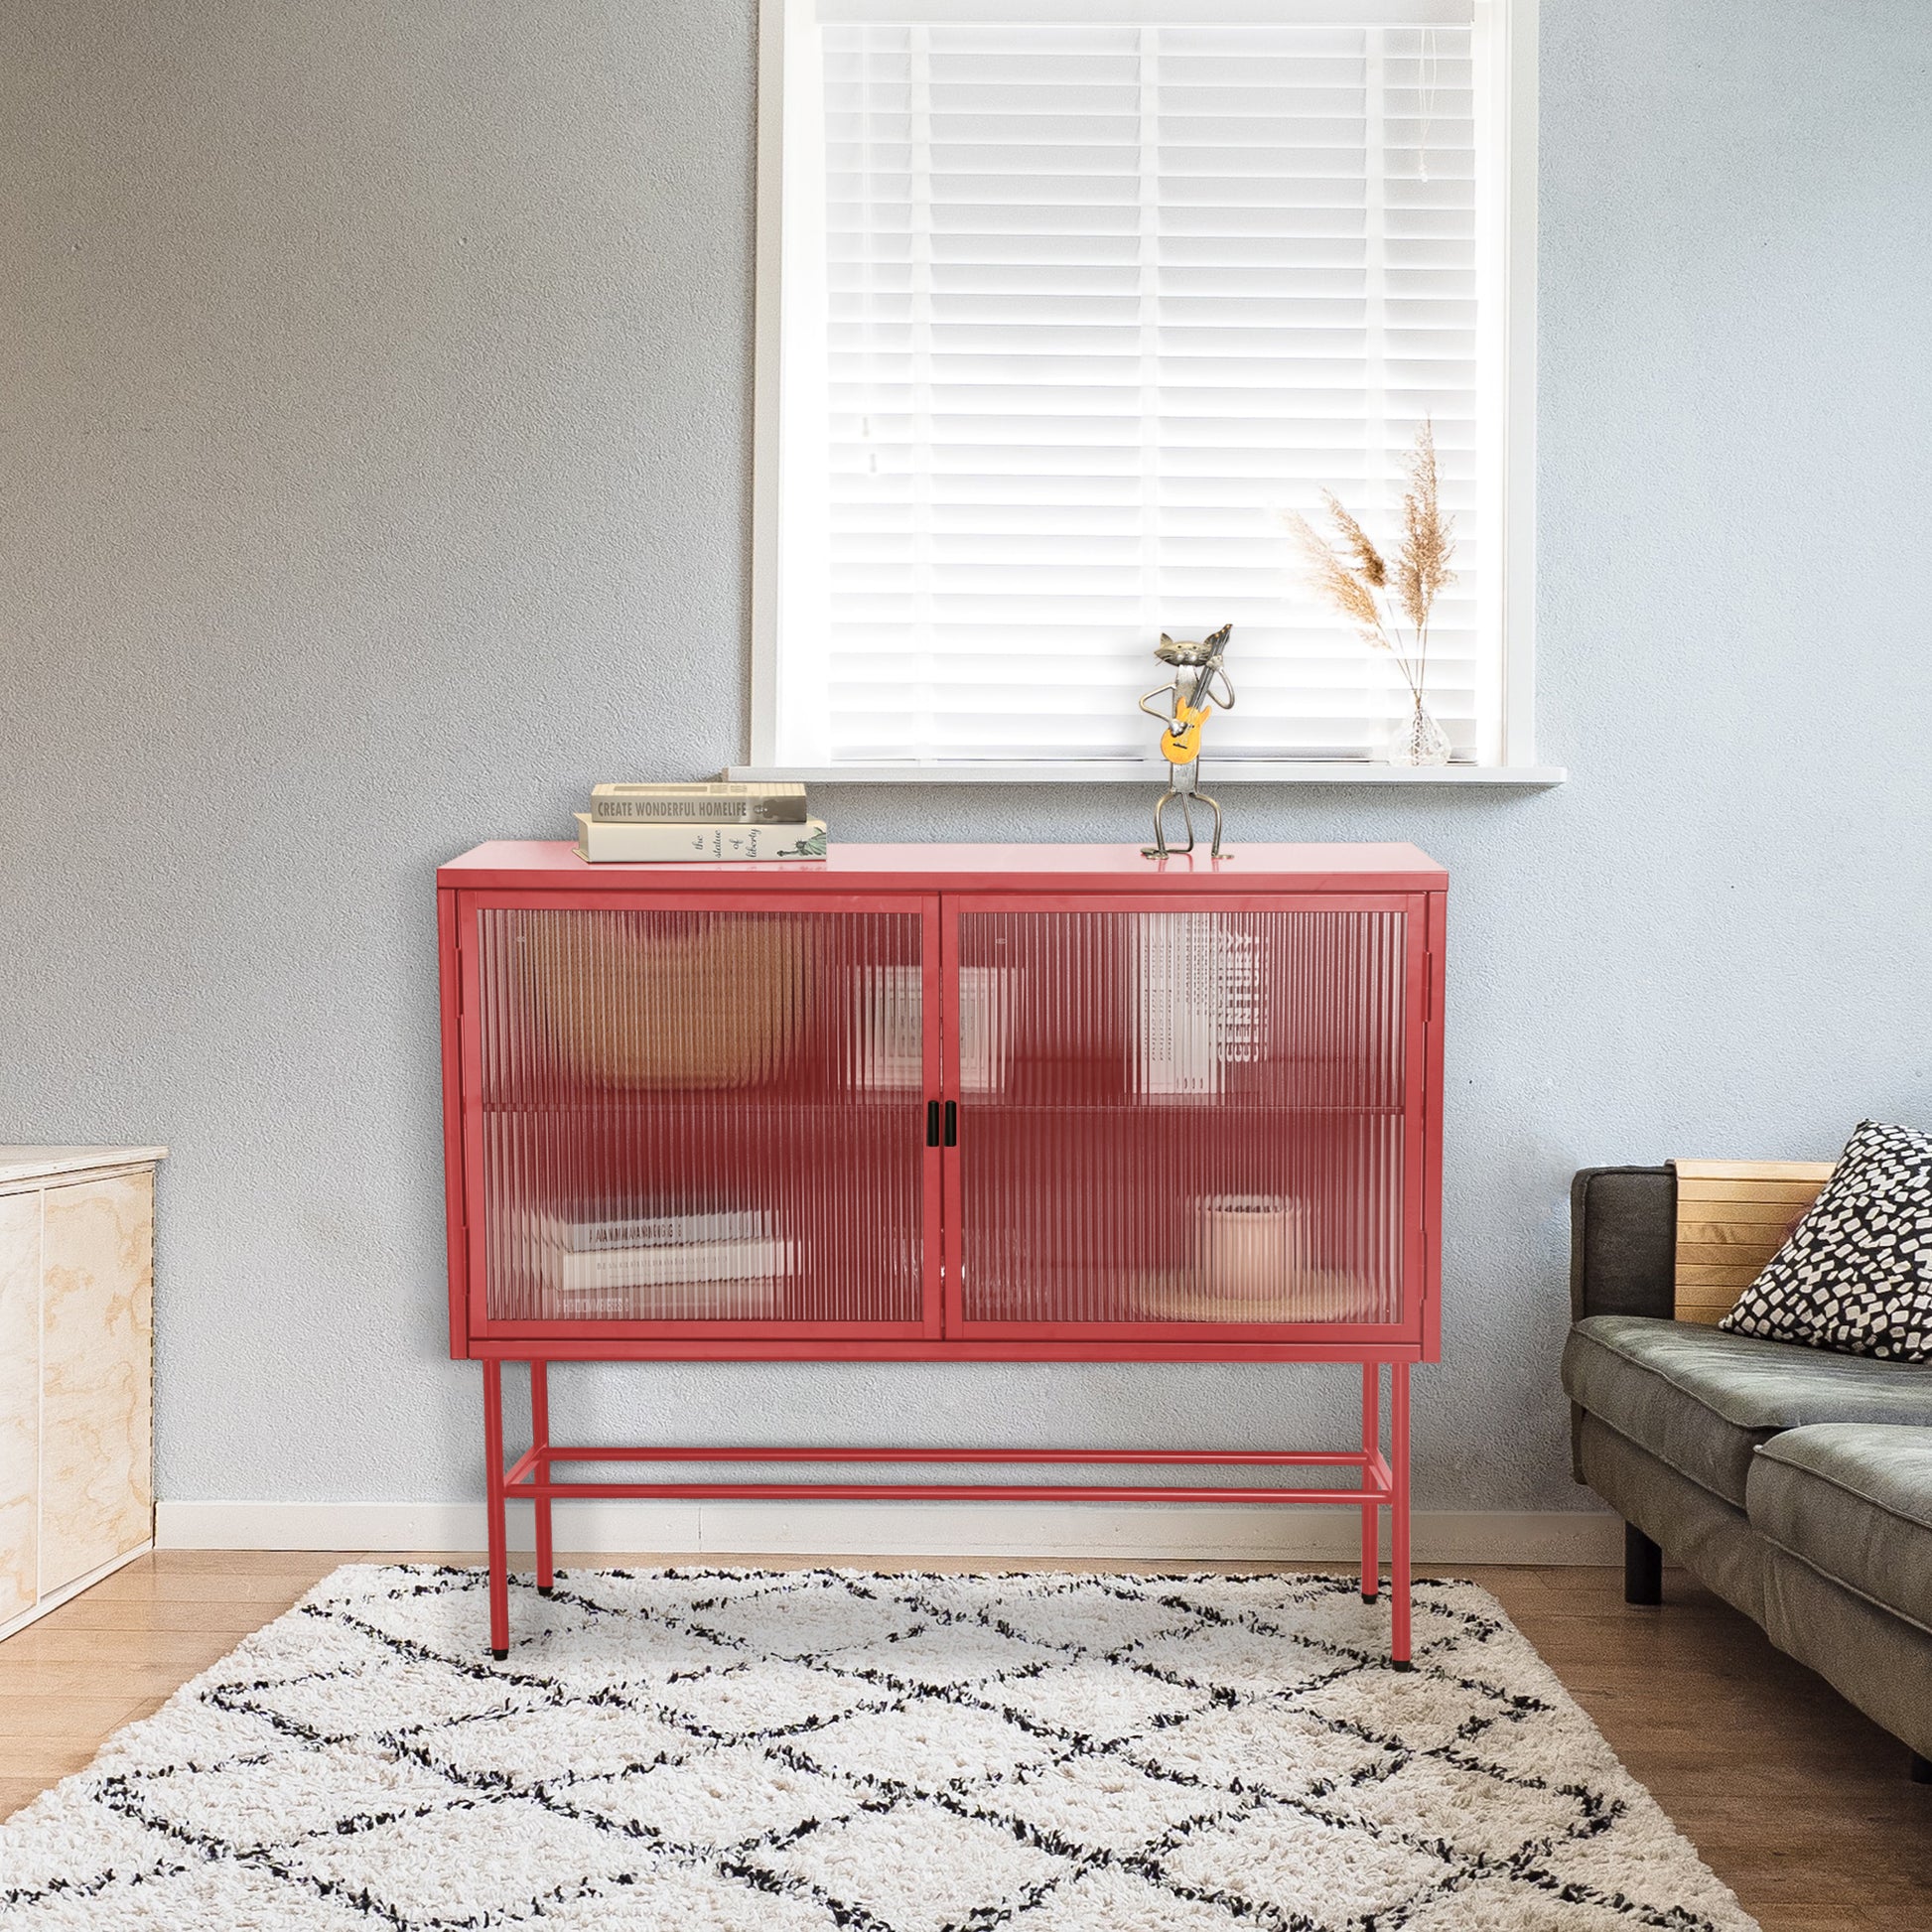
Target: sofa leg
(1643, 1568)
(1922, 1769)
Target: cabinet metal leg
(540, 1440)
(1371, 1512)
(1399, 1516)
(498, 1532)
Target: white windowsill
(1103, 771)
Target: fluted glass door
(693, 1115)
(1190, 1119)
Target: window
(1064, 302)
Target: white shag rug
(732, 1750)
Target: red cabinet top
(537, 864)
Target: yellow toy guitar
(1181, 742)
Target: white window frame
(789, 536)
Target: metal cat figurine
(1186, 701)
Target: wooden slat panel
(1730, 1212)
(1714, 1228)
(1752, 1254)
(1708, 1314)
(1771, 1193)
(1818, 1170)
(1732, 1218)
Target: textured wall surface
(375, 410)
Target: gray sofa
(1796, 1484)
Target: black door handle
(933, 1123)
(952, 1123)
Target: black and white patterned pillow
(1855, 1276)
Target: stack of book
(723, 1265)
(671, 824)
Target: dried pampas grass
(1348, 592)
(1349, 579)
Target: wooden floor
(1797, 1801)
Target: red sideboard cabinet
(946, 1103)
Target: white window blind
(1102, 296)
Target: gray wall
(374, 412)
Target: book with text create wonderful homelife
(711, 801)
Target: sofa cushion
(1702, 1401)
(1854, 1501)
(1856, 1272)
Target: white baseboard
(1135, 1532)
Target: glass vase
(1417, 739)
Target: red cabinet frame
(942, 886)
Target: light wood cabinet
(76, 1369)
